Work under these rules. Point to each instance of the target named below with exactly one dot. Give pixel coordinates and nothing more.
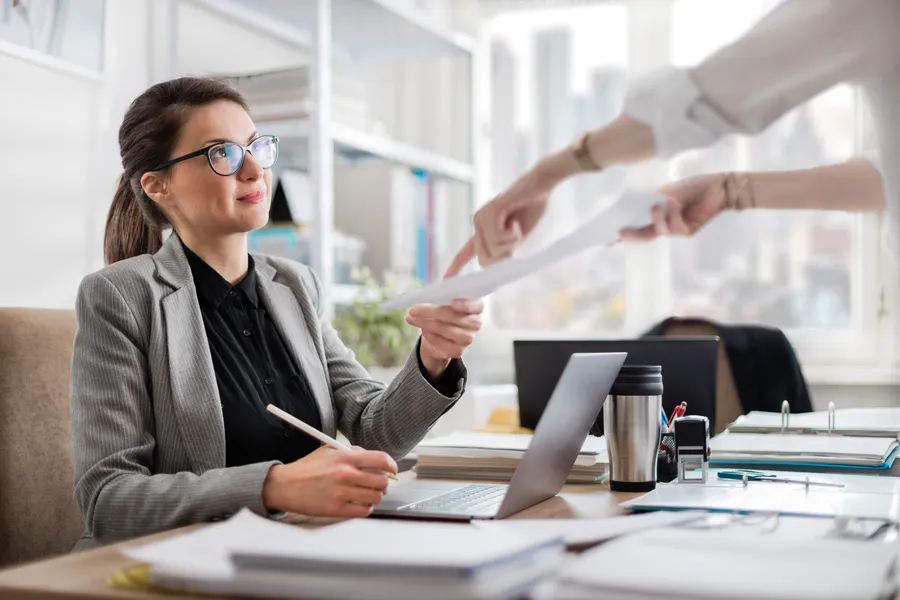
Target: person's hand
(330, 483)
(692, 203)
(446, 331)
(502, 223)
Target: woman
(182, 343)
(798, 50)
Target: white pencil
(313, 432)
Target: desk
(84, 575)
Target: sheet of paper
(770, 498)
(581, 533)
(205, 554)
(632, 210)
(718, 564)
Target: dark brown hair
(147, 138)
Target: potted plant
(381, 340)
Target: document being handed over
(632, 210)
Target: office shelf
(368, 30)
(330, 35)
(356, 144)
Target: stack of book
(285, 94)
(495, 456)
(249, 555)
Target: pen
(313, 432)
(771, 477)
(663, 420)
(675, 412)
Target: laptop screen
(689, 369)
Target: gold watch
(583, 156)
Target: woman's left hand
(446, 331)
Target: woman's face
(202, 203)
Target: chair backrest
(728, 401)
(38, 514)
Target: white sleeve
(798, 50)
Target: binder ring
(831, 417)
(785, 415)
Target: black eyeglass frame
(205, 152)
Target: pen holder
(666, 465)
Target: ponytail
(128, 231)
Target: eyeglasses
(227, 158)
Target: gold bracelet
(583, 156)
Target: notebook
(719, 564)
(365, 558)
(847, 421)
(249, 555)
(797, 449)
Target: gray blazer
(147, 432)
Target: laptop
(577, 398)
(689, 369)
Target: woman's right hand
(330, 483)
(692, 203)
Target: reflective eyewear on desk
(738, 474)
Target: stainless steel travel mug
(631, 424)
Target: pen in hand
(313, 432)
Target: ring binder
(831, 417)
(866, 422)
(785, 415)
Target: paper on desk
(632, 210)
(204, 555)
(583, 533)
(718, 564)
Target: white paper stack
(372, 559)
(797, 449)
(495, 456)
(698, 564)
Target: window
(792, 270)
(557, 71)
(70, 30)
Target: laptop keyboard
(472, 498)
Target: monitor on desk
(689, 368)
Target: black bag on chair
(765, 368)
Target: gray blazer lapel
(295, 328)
(195, 394)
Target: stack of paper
(495, 456)
(731, 448)
(372, 559)
(697, 564)
(881, 422)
